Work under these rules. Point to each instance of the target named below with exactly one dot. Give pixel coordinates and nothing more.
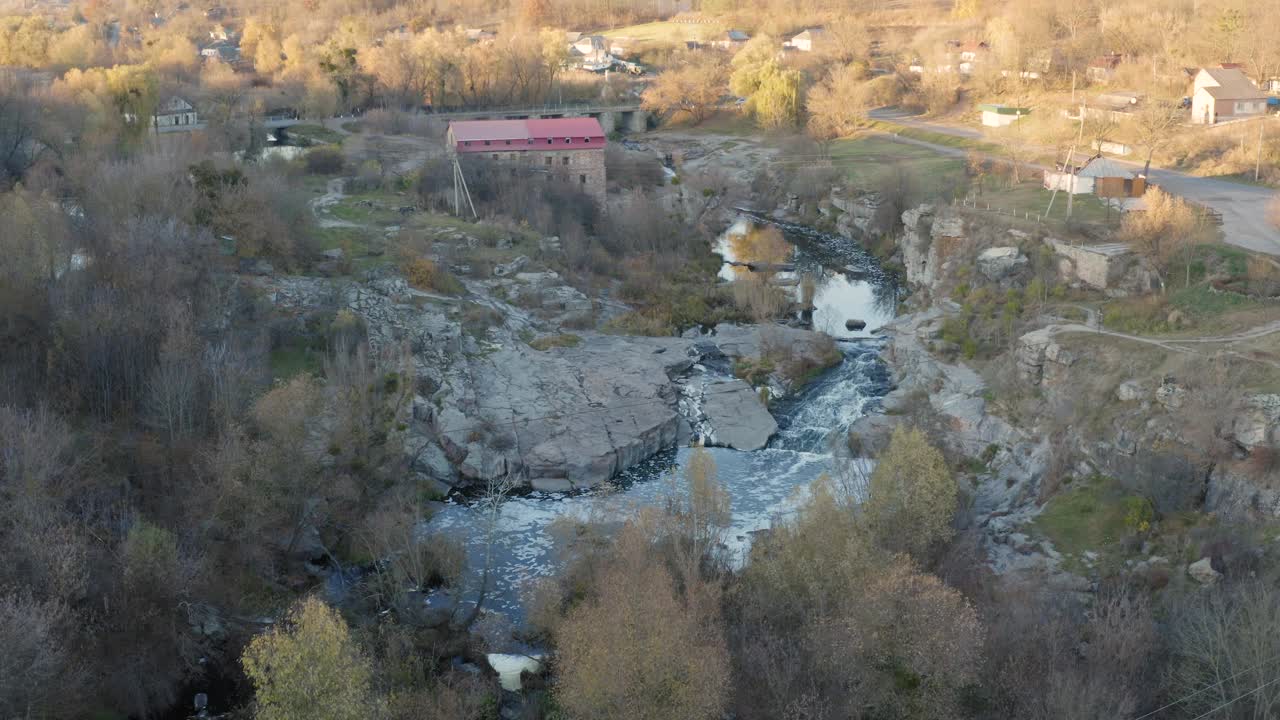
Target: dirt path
(1176, 344)
(332, 196)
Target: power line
(1210, 687)
(1240, 697)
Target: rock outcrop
(1041, 359)
(489, 406)
(998, 264)
(929, 237)
(737, 417)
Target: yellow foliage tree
(911, 497)
(637, 650)
(310, 669)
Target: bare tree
(1153, 126)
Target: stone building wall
(583, 169)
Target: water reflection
(843, 280)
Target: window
(548, 159)
(495, 156)
(564, 160)
(486, 143)
(467, 143)
(549, 141)
(508, 142)
(582, 179)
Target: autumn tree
(309, 668)
(693, 89)
(911, 496)
(648, 655)
(839, 105)
(826, 620)
(1164, 231)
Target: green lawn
(1031, 197)
(665, 32)
(1201, 302)
(316, 133)
(868, 161)
(295, 358)
(1087, 516)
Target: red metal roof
(564, 127)
(551, 134)
(473, 130)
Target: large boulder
(1041, 359)
(1000, 263)
(1202, 572)
(737, 417)
(1257, 424)
(1131, 391)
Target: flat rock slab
(738, 419)
(565, 418)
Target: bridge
(629, 117)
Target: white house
(1086, 179)
(805, 41)
(1225, 94)
(175, 112)
(731, 40)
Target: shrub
(425, 274)
(565, 340)
(325, 161)
(1138, 514)
(755, 371)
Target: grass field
(868, 160)
(316, 133)
(1031, 197)
(1088, 516)
(665, 32)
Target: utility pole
(1257, 164)
(460, 191)
(1071, 192)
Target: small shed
(1096, 176)
(996, 115)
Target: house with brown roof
(1102, 68)
(1225, 94)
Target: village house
(566, 150)
(1225, 94)
(175, 112)
(224, 50)
(591, 52)
(731, 40)
(806, 41)
(973, 54)
(1103, 68)
(1096, 176)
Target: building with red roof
(569, 150)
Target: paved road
(1243, 207)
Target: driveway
(1243, 207)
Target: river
(762, 485)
